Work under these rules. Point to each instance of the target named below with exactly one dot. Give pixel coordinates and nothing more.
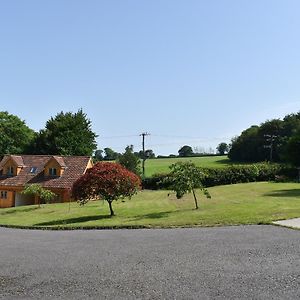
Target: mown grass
(161, 165)
(251, 203)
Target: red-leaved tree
(108, 181)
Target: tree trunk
(196, 203)
(111, 209)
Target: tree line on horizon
(71, 134)
(274, 140)
(65, 134)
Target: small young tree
(185, 178)
(38, 191)
(108, 181)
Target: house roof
(17, 159)
(59, 160)
(74, 167)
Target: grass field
(250, 203)
(161, 165)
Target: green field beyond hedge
(161, 165)
(249, 203)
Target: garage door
(23, 199)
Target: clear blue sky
(189, 72)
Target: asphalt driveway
(245, 262)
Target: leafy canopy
(108, 181)
(185, 151)
(110, 154)
(15, 135)
(222, 148)
(266, 141)
(185, 178)
(293, 149)
(67, 134)
(130, 160)
(40, 192)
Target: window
(33, 170)
(10, 171)
(3, 194)
(52, 172)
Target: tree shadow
(74, 220)
(224, 161)
(156, 215)
(284, 193)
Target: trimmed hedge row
(230, 175)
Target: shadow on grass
(224, 161)
(12, 211)
(158, 215)
(74, 220)
(284, 193)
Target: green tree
(268, 141)
(293, 149)
(130, 161)
(15, 136)
(40, 192)
(110, 154)
(185, 178)
(98, 156)
(148, 154)
(67, 134)
(185, 151)
(222, 148)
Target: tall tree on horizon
(66, 134)
(16, 136)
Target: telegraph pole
(143, 135)
(270, 138)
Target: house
(55, 173)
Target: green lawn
(161, 165)
(250, 203)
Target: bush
(230, 175)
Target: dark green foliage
(156, 182)
(110, 154)
(98, 155)
(222, 148)
(36, 190)
(255, 143)
(185, 151)
(230, 175)
(130, 161)
(293, 149)
(66, 134)
(148, 154)
(15, 136)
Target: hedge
(231, 175)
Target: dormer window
(52, 171)
(10, 171)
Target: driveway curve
(243, 262)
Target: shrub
(230, 175)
